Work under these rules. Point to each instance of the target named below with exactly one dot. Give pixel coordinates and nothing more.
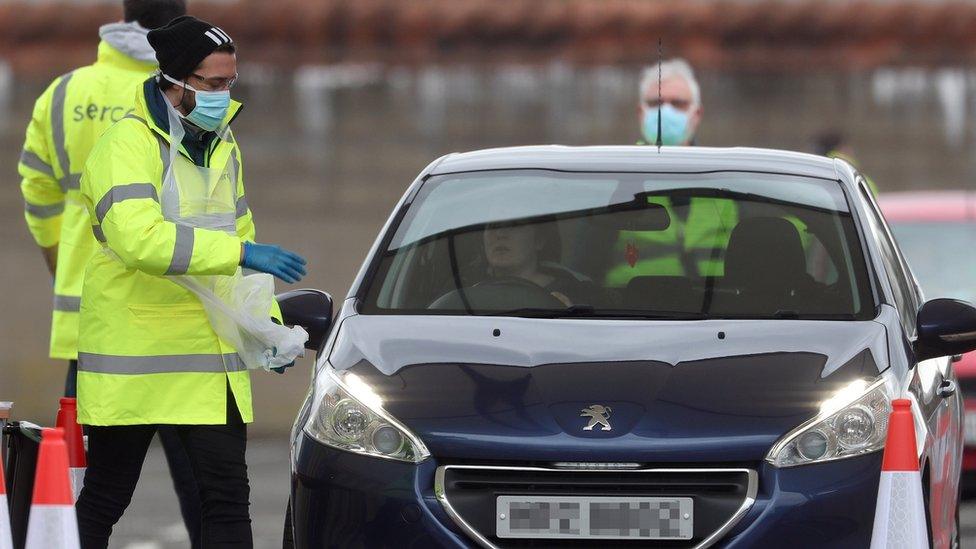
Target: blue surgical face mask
(674, 125)
(211, 106)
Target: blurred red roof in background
(745, 34)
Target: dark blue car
(623, 346)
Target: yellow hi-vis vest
(71, 114)
(696, 244)
(146, 350)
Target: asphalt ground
(153, 519)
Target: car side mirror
(945, 327)
(310, 309)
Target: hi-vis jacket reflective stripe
(146, 351)
(68, 118)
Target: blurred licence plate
(593, 517)
(970, 428)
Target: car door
(933, 384)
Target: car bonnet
(392, 342)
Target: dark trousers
(216, 457)
(71, 380)
(180, 469)
(184, 483)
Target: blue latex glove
(274, 260)
(274, 351)
(281, 369)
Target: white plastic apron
(238, 307)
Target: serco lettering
(100, 113)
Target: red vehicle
(937, 229)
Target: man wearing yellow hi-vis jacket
(67, 120)
(148, 354)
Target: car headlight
(347, 414)
(852, 422)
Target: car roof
(639, 158)
(918, 206)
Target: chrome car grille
(468, 493)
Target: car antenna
(659, 102)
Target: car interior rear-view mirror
(637, 215)
(310, 309)
(945, 327)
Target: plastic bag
(238, 308)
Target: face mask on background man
(674, 125)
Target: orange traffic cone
(68, 420)
(52, 521)
(6, 541)
(899, 518)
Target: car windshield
(542, 243)
(937, 253)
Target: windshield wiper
(794, 315)
(588, 311)
(784, 314)
(582, 311)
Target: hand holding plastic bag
(280, 369)
(238, 307)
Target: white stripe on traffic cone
(6, 541)
(77, 476)
(50, 527)
(74, 440)
(899, 518)
(52, 521)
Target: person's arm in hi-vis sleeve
(124, 203)
(43, 196)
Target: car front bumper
(341, 499)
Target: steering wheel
(523, 284)
(503, 293)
